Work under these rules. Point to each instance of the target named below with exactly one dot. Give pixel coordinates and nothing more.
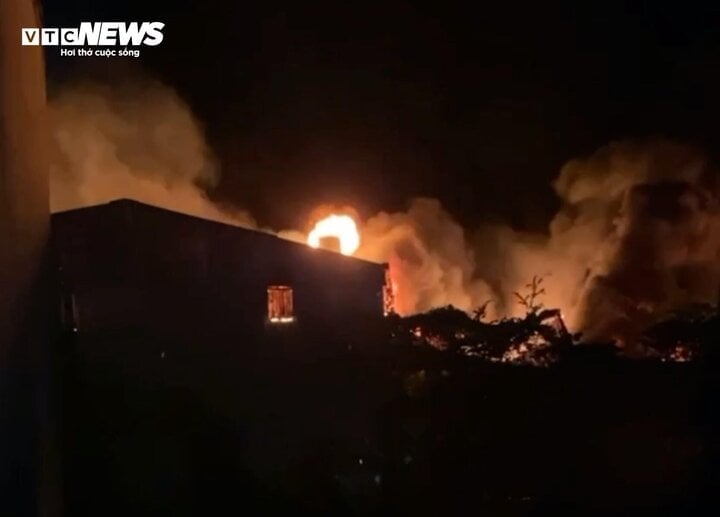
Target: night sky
(371, 104)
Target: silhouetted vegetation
(540, 337)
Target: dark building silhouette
(188, 347)
(127, 267)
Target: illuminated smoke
(637, 235)
(651, 210)
(138, 141)
(428, 255)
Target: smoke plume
(637, 235)
(138, 141)
(428, 255)
(651, 212)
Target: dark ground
(155, 428)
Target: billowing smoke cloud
(651, 212)
(428, 256)
(435, 262)
(637, 235)
(138, 141)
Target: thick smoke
(435, 262)
(651, 211)
(637, 235)
(137, 141)
(431, 262)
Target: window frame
(280, 304)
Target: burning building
(128, 267)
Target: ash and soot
(636, 237)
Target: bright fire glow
(282, 319)
(342, 227)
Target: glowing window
(280, 304)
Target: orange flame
(340, 226)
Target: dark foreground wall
(131, 267)
(27, 482)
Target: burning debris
(540, 337)
(389, 294)
(537, 338)
(684, 335)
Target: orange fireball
(339, 226)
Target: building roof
(258, 234)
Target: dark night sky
(371, 104)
